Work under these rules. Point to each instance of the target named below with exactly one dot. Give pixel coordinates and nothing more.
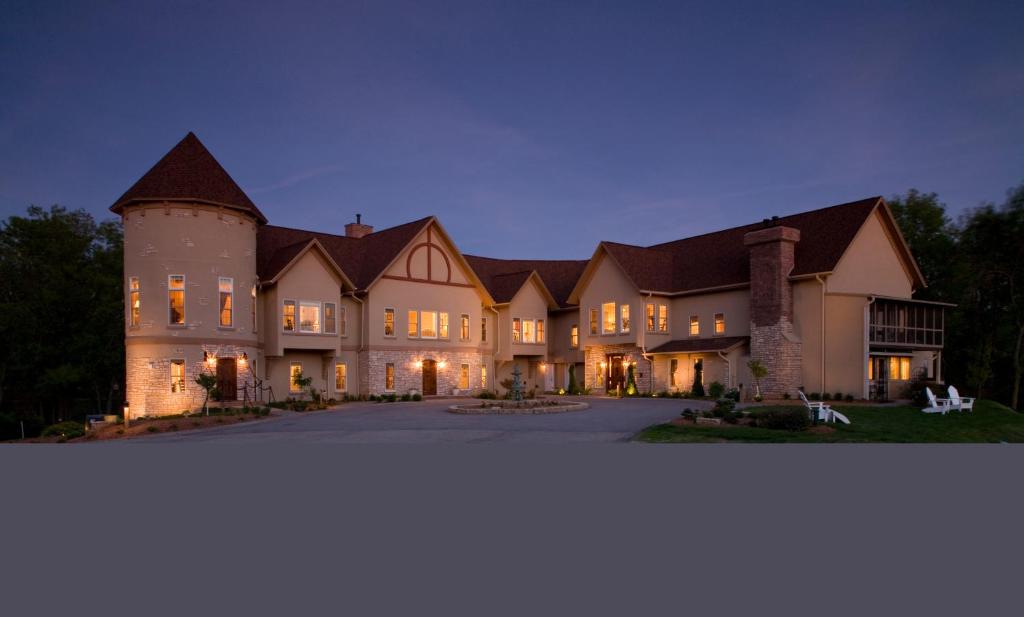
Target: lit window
(483, 377)
(428, 327)
(464, 327)
(177, 376)
(464, 377)
(899, 368)
(414, 324)
(673, 366)
(342, 321)
(540, 330)
(662, 318)
(517, 330)
(389, 377)
(624, 319)
(288, 316)
(574, 336)
(295, 373)
(694, 325)
(593, 321)
(528, 331)
(483, 329)
(133, 301)
(719, 323)
(330, 318)
(443, 327)
(253, 295)
(608, 318)
(176, 299)
(649, 315)
(226, 288)
(340, 378)
(389, 322)
(309, 317)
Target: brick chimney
(357, 229)
(772, 340)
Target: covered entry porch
(678, 363)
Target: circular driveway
(607, 420)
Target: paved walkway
(607, 420)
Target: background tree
(61, 314)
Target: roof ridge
(785, 216)
(327, 233)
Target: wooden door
(429, 377)
(227, 384)
(616, 374)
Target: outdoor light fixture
(127, 414)
(442, 364)
(210, 359)
(418, 364)
(543, 366)
(243, 359)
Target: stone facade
(772, 339)
(595, 377)
(409, 376)
(148, 376)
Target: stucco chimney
(772, 340)
(357, 229)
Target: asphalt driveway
(607, 420)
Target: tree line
(62, 304)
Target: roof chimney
(357, 229)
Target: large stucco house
(822, 298)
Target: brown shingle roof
(504, 277)
(361, 259)
(189, 172)
(697, 345)
(721, 259)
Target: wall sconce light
(543, 366)
(418, 364)
(601, 364)
(442, 364)
(243, 360)
(210, 359)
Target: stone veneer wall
(772, 339)
(409, 377)
(593, 354)
(148, 376)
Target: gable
(310, 276)
(872, 263)
(606, 281)
(534, 295)
(429, 257)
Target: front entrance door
(616, 373)
(429, 377)
(878, 384)
(227, 384)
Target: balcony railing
(906, 323)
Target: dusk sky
(531, 129)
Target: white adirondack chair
(823, 410)
(960, 403)
(936, 405)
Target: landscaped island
(990, 422)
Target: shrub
(789, 419)
(698, 378)
(68, 429)
(849, 398)
(733, 394)
(825, 396)
(574, 387)
(723, 407)
(786, 396)
(392, 397)
(838, 396)
(417, 397)
(487, 394)
(406, 397)
(631, 380)
(664, 394)
(732, 418)
(716, 390)
(814, 396)
(156, 429)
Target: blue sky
(532, 129)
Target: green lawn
(989, 423)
